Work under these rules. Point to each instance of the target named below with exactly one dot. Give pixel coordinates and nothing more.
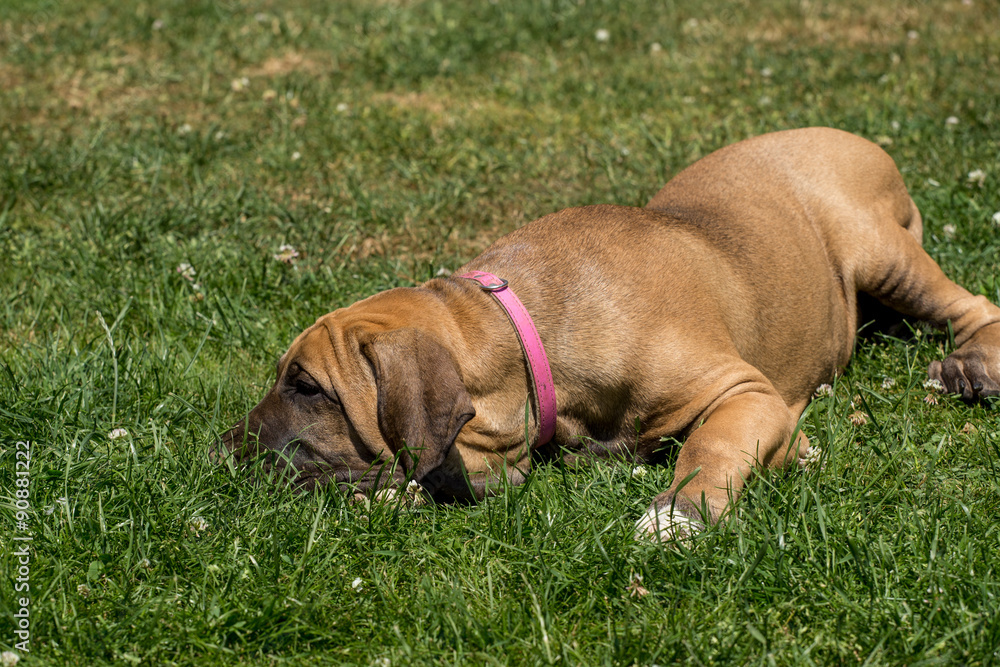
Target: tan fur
(710, 315)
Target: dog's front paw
(974, 369)
(668, 521)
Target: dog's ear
(422, 403)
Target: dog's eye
(306, 388)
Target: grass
(385, 140)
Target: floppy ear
(422, 403)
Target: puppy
(710, 315)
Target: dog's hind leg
(897, 271)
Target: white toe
(665, 523)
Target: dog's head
(361, 404)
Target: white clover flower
(888, 382)
(239, 84)
(145, 564)
(949, 230)
(635, 587)
(287, 254)
(766, 72)
(296, 156)
(343, 108)
(187, 271)
(184, 129)
(933, 384)
(912, 35)
(413, 487)
(269, 94)
(602, 35)
(996, 218)
(197, 524)
(894, 125)
(977, 177)
(117, 433)
(9, 659)
(655, 47)
(934, 184)
(357, 584)
(158, 24)
(83, 590)
(858, 418)
(813, 458)
(951, 120)
(639, 471)
(823, 390)
(64, 501)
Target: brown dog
(712, 315)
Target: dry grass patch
(287, 63)
(866, 25)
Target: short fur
(711, 315)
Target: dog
(710, 316)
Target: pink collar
(531, 343)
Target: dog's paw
(966, 374)
(665, 523)
(973, 370)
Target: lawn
(155, 156)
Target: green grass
(385, 140)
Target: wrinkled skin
(305, 419)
